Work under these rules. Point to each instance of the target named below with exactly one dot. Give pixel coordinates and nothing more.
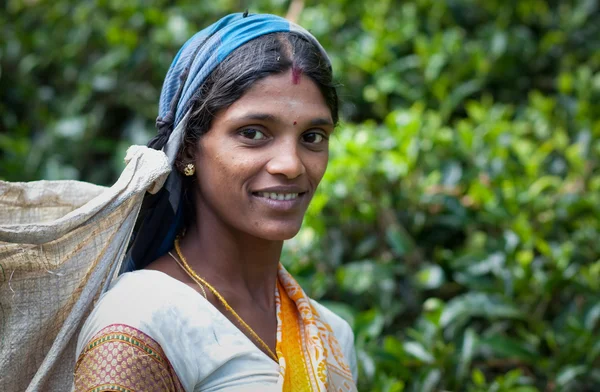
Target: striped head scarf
(161, 214)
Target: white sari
(199, 348)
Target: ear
(186, 155)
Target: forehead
(280, 95)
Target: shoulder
(343, 334)
(117, 353)
(152, 308)
(199, 342)
(135, 299)
(341, 328)
(150, 301)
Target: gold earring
(189, 169)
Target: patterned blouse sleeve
(122, 358)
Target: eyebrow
(319, 121)
(315, 122)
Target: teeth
(279, 196)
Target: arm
(123, 358)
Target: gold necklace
(186, 271)
(196, 278)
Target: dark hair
(267, 55)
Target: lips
(281, 198)
(278, 196)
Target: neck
(233, 262)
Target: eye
(313, 137)
(252, 134)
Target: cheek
(223, 175)
(222, 172)
(316, 166)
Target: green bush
(458, 226)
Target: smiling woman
(259, 171)
(203, 303)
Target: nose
(286, 161)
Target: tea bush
(457, 227)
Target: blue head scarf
(161, 214)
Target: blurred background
(458, 226)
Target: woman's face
(263, 157)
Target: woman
(247, 109)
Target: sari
(197, 349)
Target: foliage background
(458, 226)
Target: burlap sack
(61, 243)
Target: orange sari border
(305, 337)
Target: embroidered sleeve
(122, 358)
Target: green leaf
(357, 277)
(570, 374)
(430, 277)
(592, 317)
(418, 351)
(369, 324)
(478, 377)
(466, 353)
(478, 304)
(399, 240)
(505, 347)
(431, 381)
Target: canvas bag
(61, 244)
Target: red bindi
(295, 123)
(296, 73)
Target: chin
(278, 232)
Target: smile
(281, 201)
(277, 196)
